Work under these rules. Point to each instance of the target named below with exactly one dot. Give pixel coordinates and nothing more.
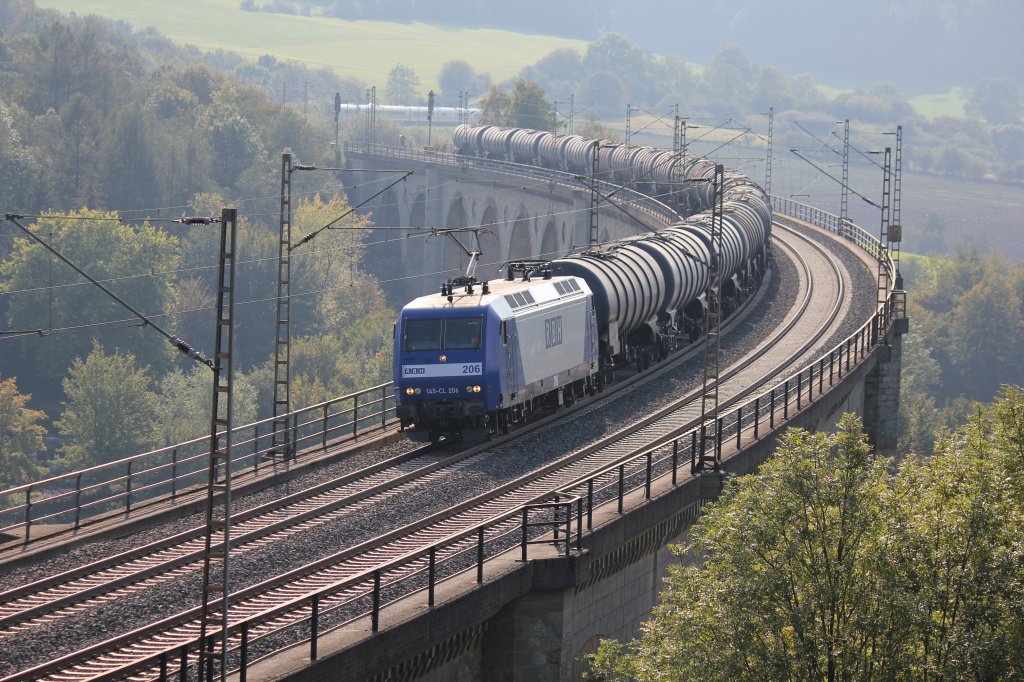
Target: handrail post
(568, 527)
(314, 628)
(323, 430)
(771, 410)
(480, 555)
(431, 575)
(355, 415)
(78, 499)
(526, 513)
(675, 460)
(785, 400)
(28, 512)
(739, 425)
(243, 654)
(622, 480)
(757, 415)
(590, 504)
(579, 523)
(799, 389)
(375, 614)
(718, 439)
(183, 662)
(128, 489)
(647, 483)
(174, 474)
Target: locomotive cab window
(422, 335)
(462, 333)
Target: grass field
(363, 49)
(947, 104)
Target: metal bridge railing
(69, 501)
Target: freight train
(478, 357)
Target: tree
(186, 398)
(497, 107)
(458, 76)
(532, 110)
(524, 107)
(402, 87)
(234, 140)
(783, 592)
(985, 335)
(20, 173)
(998, 100)
(52, 295)
(21, 438)
(109, 410)
(605, 91)
(826, 565)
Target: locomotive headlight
(472, 389)
(410, 391)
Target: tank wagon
(560, 331)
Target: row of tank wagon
(650, 291)
(686, 182)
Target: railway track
(808, 322)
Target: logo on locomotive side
(553, 332)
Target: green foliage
(185, 401)
(829, 565)
(108, 412)
(21, 438)
(967, 339)
(123, 256)
(524, 107)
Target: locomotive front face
(440, 372)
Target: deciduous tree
(21, 438)
(108, 411)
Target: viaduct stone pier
(534, 619)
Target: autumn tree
(108, 412)
(21, 438)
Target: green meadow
(363, 49)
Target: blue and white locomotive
(476, 357)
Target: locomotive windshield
(422, 335)
(462, 333)
(458, 333)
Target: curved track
(808, 323)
